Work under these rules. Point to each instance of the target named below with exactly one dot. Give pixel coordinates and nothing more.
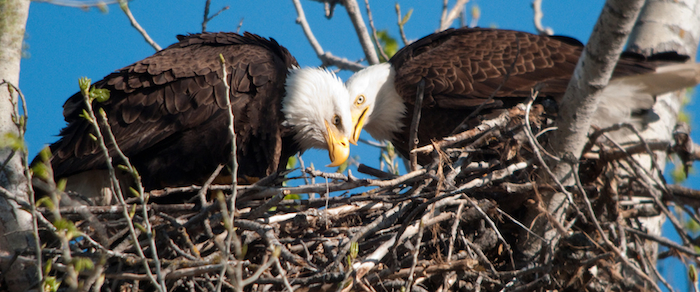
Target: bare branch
(374, 32)
(326, 57)
(207, 18)
(365, 40)
(537, 18)
(413, 136)
(448, 18)
(124, 5)
(592, 73)
(401, 23)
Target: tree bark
(662, 27)
(590, 77)
(15, 223)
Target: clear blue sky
(67, 43)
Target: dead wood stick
(663, 241)
(413, 134)
(487, 125)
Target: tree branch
(365, 40)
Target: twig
(537, 18)
(374, 32)
(326, 57)
(493, 226)
(401, 23)
(207, 18)
(21, 124)
(410, 281)
(521, 225)
(363, 267)
(240, 24)
(542, 163)
(232, 238)
(491, 177)
(203, 191)
(664, 241)
(356, 18)
(124, 5)
(283, 274)
(413, 134)
(604, 235)
(116, 189)
(500, 121)
(477, 249)
(448, 18)
(82, 4)
(453, 232)
(385, 220)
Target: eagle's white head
(376, 105)
(317, 107)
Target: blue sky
(67, 43)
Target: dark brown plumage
(462, 68)
(168, 112)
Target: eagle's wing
(463, 67)
(168, 111)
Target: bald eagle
(463, 67)
(169, 116)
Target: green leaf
(41, 170)
(244, 250)
(388, 43)
(292, 197)
(354, 249)
(46, 202)
(45, 154)
(140, 227)
(134, 192)
(12, 141)
(47, 267)
(85, 115)
(82, 264)
(84, 84)
(61, 184)
(67, 227)
(406, 17)
(291, 162)
(476, 12)
(343, 166)
(51, 284)
(99, 94)
(692, 274)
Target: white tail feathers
(631, 94)
(666, 78)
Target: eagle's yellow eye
(360, 99)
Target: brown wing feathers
(168, 111)
(464, 67)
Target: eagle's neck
(389, 109)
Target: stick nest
(457, 224)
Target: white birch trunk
(15, 224)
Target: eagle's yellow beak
(338, 146)
(359, 122)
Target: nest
(457, 224)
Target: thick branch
(365, 40)
(592, 73)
